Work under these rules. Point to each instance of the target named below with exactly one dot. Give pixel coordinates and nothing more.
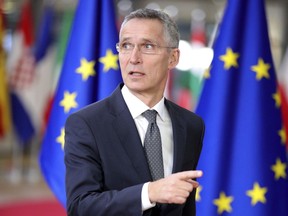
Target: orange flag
(5, 119)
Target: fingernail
(199, 173)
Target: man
(108, 169)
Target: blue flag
(243, 157)
(45, 35)
(90, 72)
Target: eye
(149, 46)
(127, 46)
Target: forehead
(148, 29)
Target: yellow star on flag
(277, 99)
(61, 138)
(229, 59)
(68, 102)
(198, 190)
(223, 203)
(109, 61)
(279, 169)
(207, 74)
(261, 69)
(257, 194)
(86, 69)
(282, 134)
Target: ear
(174, 58)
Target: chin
(135, 87)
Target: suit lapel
(127, 132)
(179, 136)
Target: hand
(174, 188)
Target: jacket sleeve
(87, 193)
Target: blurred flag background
(58, 56)
(5, 116)
(244, 154)
(283, 90)
(21, 67)
(90, 72)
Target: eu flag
(243, 157)
(90, 72)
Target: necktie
(152, 146)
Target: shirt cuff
(146, 204)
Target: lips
(135, 73)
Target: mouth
(136, 73)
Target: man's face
(142, 72)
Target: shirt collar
(137, 107)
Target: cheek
(123, 62)
(159, 71)
(162, 66)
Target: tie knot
(150, 115)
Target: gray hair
(171, 31)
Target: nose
(135, 57)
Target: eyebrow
(143, 40)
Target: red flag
(284, 109)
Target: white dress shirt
(136, 108)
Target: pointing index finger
(191, 174)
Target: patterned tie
(152, 146)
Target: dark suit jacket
(105, 162)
